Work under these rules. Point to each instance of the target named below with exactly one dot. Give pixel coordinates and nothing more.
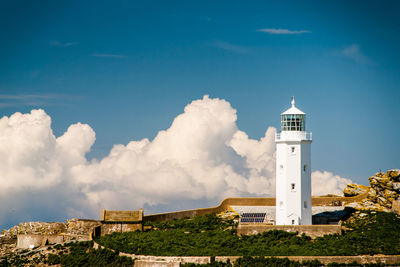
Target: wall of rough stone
(80, 226)
(26, 241)
(36, 227)
(311, 230)
(108, 228)
(171, 261)
(363, 259)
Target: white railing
(290, 135)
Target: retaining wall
(253, 201)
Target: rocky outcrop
(35, 228)
(353, 190)
(383, 190)
(71, 227)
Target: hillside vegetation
(68, 255)
(369, 232)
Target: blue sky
(128, 68)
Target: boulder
(353, 190)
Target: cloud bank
(199, 160)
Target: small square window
(292, 149)
(293, 186)
(305, 204)
(292, 221)
(304, 167)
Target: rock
(384, 190)
(355, 189)
(396, 187)
(372, 196)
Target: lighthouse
(293, 169)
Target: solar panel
(252, 217)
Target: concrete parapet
(311, 230)
(247, 201)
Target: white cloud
(283, 31)
(353, 52)
(325, 182)
(230, 47)
(201, 158)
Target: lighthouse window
(293, 122)
(304, 167)
(292, 221)
(293, 149)
(293, 186)
(305, 204)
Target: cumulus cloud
(327, 183)
(199, 160)
(283, 31)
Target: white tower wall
(293, 176)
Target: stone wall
(121, 215)
(36, 240)
(311, 230)
(29, 241)
(172, 261)
(81, 226)
(108, 228)
(363, 259)
(120, 221)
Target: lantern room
(293, 119)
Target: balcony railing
(290, 135)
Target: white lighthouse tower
(293, 169)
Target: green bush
(53, 259)
(82, 254)
(375, 233)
